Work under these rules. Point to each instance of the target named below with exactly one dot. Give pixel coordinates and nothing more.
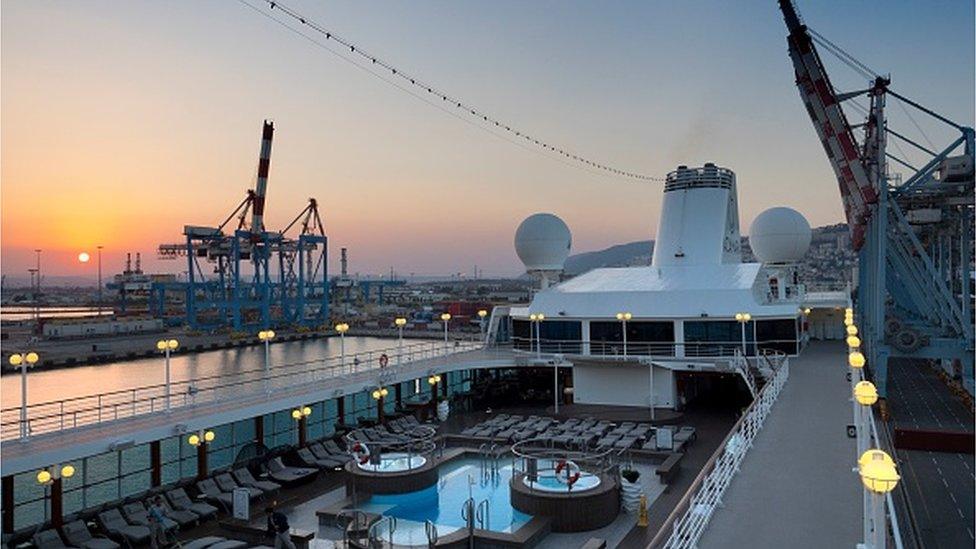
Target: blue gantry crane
(241, 275)
(913, 234)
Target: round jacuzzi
(549, 483)
(394, 462)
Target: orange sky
(121, 122)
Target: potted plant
(630, 489)
(443, 408)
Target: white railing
(663, 350)
(65, 414)
(686, 523)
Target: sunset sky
(122, 121)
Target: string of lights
(456, 104)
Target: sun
(84, 257)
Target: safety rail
(660, 350)
(375, 532)
(876, 442)
(689, 518)
(70, 413)
(528, 454)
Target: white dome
(780, 235)
(542, 242)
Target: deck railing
(688, 520)
(617, 349)
(70, 413)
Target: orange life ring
(360, 452)
(572, 472)
(384, 360)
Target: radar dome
(780, 235)
(542, 242)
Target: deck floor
(796, 487)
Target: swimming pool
(442, 503)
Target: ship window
(778, 334)
(643, 338)
(716, 337)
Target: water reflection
(44, 386)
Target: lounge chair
(307, 458)
(182, 502)
(48, 539)
(228, 484)
(228, 544)
(214, 494)
(333, 448)
(203, 543)
(183, 517)
(77, 534)
(322, 454)
(279, 472)
(135, 512)
(245, 478)
(114, 524)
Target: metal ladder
(431, 530)
(375, 536)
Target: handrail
(738, 439)
(63, 414)
(662, 350)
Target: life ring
(360, 452)
(384, 360)
(567, 472)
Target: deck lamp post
(482, 313)
(856, 359)
(400, 323)
(853, 342)
(24, 360)
(266, 336)
(623, 318)
(445, 318)
(378, 394)
(167, 346)
(342, 328)
(299, 415)
(50, 479)
(743, 319)
(536, 319)
(433, 380)
(879, 477)
(201, 437)
(852, 330)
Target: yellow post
(642, 519)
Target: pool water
(442, 503)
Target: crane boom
(830, 123)
(261, 189)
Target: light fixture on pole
(445, 318)
(400, 323)
(623, 318)
(341, 329)
(536, 319)
(23, 360)
(879, 477)
(48, 475)
(856, 359)
(482, 313)
(853, 342)
(852, 330)
(266, 336)
(743, 319)
(167, 346)
(201, 437)
(865, 394)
